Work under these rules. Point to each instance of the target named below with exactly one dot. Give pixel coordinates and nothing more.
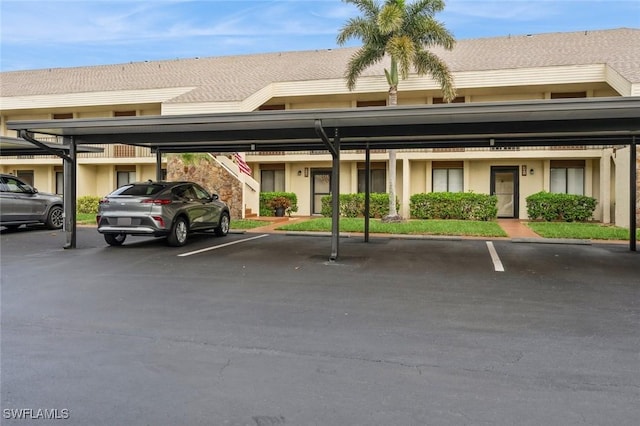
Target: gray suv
(21, 204)
(171, 209)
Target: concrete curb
(551, 241)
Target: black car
(21, 204)
(171, 209)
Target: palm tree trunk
(393, 212)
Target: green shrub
(454, 205)
(87, 204)
(266, 199)
(561, 207)
(352, 205)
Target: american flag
(242, 165)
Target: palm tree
(402, 31)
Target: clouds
(52, 33)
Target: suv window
(138, 189)
(201, 194)
(14, 185)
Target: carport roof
(591, 121)
(17, 146)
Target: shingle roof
(232, 78)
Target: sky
(56, 33)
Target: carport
(591, 121)
(67, 152)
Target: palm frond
(425, 8)
(392, 74)
(361, 60)
(390, 19)
(428, 63)
(354, 28)
(369, 8)
(433, 33)
(402, 50)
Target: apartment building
(512, 68)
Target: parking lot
(261, 329)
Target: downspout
(28, 136)
(334, 149)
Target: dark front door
(320, 187)
(504, 185)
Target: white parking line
(222, 245)
(497, 264)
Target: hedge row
(560, 207)
(454, 205)
(87, 204)
(266, 197)
(352, 205)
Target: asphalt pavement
(261, 329)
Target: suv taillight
(103, 201)
(157, 202)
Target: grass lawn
(247, 223)
(86, 218)
(589, 231)
(412, 227)
(573, 230)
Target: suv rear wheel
(115, 239)
(223, 227)
(179, 231)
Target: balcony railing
(118, 151)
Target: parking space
(265, 330)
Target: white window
(567, 180)
(59, 183)
(272, 180)
(125, 177)
(448, 180)
(377, 179)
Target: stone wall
(211, 175)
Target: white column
(605, 186)
(405, 210)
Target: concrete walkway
(516, 229)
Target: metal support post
(633, 194)
(158, 164)
(335, 197)
(367, 191)
(69, 196)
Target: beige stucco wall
(621, 159)
(96, 176)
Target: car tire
(178, 235)
(115, 239)
(55, 218)
(223, 227)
